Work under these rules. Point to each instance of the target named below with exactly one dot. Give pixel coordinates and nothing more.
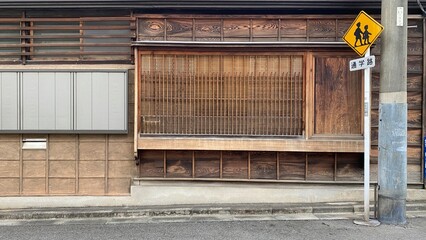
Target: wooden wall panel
(151, 164)
(208, 30)
(321, 166)
(292, 166)
(335, 100)
(179, 29)
(234, 165)
(263, 165)
(322, 28)
(207, 164)
(179, 164)
(350, 167)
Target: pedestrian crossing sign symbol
(362, 33)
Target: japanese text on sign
(362, 63)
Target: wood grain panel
(207, 164)
(265, 28)
(292, 165)
(338, 97)
(236, 28)
(321, 28)
(342, 27)
(179, 29)
(414, 100)
(179, 164)
(321, 166)
(417, 28)
(151, 28)
(415, 46)
(263, 165)
(151, 164)
(293, 28)
(350, 167)
(208, 29)
(235, 165)
(415, 64)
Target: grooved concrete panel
(118, 101)
(63, 101)
(30, 100)
(9, 99)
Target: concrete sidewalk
(336, 210)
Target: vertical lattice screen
(230, 95)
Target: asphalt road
(247, 230)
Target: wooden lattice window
(222, 94)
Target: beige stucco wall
(78, 164)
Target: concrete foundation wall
(77, 164)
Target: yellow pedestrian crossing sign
(362, 33)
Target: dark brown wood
(235, 165)
(350, 167)
(263, 165)
(321, 166)
(338, 97)
(207, 164)
(179, 164)
(151, 164)
(292, 166)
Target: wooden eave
(298, 6)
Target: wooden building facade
(191, 91)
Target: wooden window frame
(308, 143)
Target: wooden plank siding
(316, 157)
(47, 39)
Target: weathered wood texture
(242, 28)
(47, 38)
(338, 97)
(71, 165)
(325, 119)
(252, 166)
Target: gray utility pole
(393, 113)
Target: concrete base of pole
(395, 210)
(392, 171)
(369, 223)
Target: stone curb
(353, 209)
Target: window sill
(250, 144)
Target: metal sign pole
(367, 77)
